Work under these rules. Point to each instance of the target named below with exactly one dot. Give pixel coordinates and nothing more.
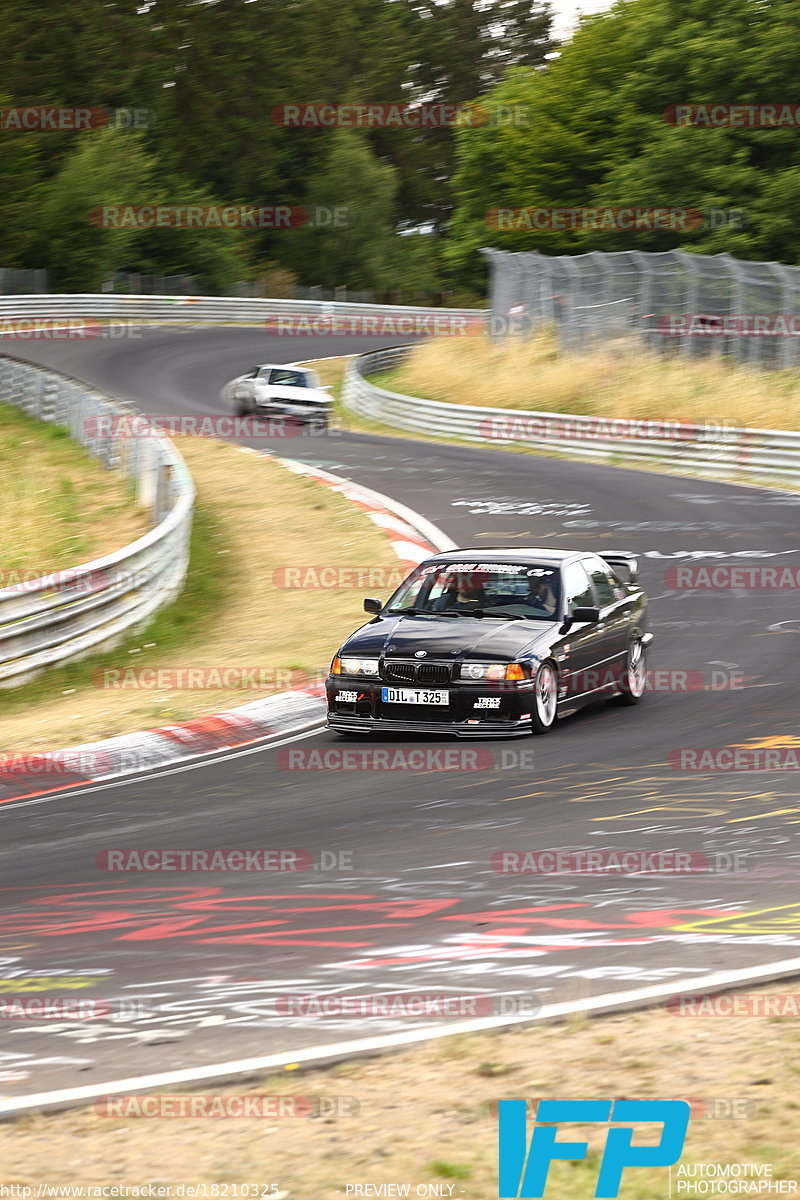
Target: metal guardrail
(51, 619)
(71, 613)
(725, 450)
(191, 309)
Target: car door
(583, 646)
(614, 616)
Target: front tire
(545, 699)
(634, 677)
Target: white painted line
(318, 1055)
(410, 552)
(389, 521)
(222, 753)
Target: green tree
(218, 258)
(601, 136)
(96, 54)
(20, 177)
(357, 254)
(83, 245)
(107, 168)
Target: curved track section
(403, 894)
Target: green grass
(59, 506)
(448, 1170)
(345, 418)
(187, 621)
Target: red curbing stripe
(211, 727)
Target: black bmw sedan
(494, 641)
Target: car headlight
(494, 671)
(355, 666)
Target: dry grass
(330, 370)
(619, 381)
(59, 506)
(426, 1115)
(261, 518)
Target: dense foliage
(588, 130)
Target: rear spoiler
(626, 559)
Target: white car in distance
(279, 390)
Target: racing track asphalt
(419, 907)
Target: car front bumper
(463, 716)
(297, 413)
(483, 729)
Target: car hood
(297, 394)
(245, 383)
(451, 638)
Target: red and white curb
(412, 537)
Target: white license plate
(414, 696)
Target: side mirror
(371, 605)
(591, 615)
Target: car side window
(577, 588)
(602, 582)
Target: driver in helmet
(540, 595)
(467, 591)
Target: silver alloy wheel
(546, 698)
(635, 671)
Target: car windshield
(502, 590)
(286, 377)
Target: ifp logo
(523, 1169)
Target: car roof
(282, 367)
(504, 554)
